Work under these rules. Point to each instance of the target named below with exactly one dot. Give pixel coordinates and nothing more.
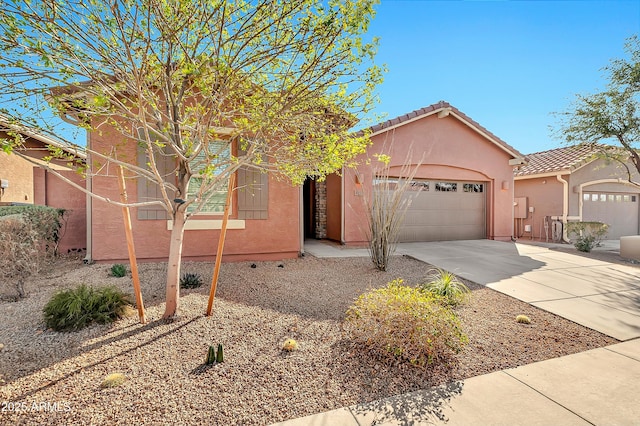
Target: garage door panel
(618, 210)
(441, 216)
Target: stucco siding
(19, 173)
(274, 238)
(442, 148)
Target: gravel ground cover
(54, 378)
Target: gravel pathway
(54, 378)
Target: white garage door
(445, 210)
(618, 210)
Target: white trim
(208, 224)
(541, 175)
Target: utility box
(4, 183)
(520, 207)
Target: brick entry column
(321, 209)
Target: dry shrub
(401, 322)
(28, 241)
(21, 255)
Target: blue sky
(506, 64)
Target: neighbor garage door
(445, 210)
(618, 210)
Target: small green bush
(446, 285)
(190, 280)
(406, 323)
(77, 308)
(588, 234)
(118, 270)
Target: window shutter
(149, 191)
(253, 193)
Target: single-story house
(465, 173)
(264, 221)
(575, 184)
(23, 181)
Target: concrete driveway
(600, 295)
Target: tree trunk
(173, 268)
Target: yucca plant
(190, 280)
(446, 285)
(118, 270)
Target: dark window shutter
(148, 191)
(253, 193)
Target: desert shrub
(28, 240)
(21, 255)
(118, 270)
(447, 285)
(405, 323)
(77, 308)
(523, 319)
(113, 380)
(190, 280)
(386, 206)
(588, 234)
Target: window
(594, 197)
(216, 198)
(603, 197)
(473, 187)
(633, 198)
(586, 197)
(611, 198)
(419, 185)
(618, 198)
(626, 198)
(446, 186)
(388, 184)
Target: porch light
(505, 185)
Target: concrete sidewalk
(597, 387)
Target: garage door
(445, 210)
(618, 210)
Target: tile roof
(559, 159)
(437, 107)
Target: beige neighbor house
(22, 181)
(575, 184)
(464, 172)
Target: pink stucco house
(465, 173)
(264, 222)
(575, 184)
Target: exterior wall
(545, 196)
(277, 237)
(52, 191)
(19, 173)
(334, 207)
(597, 171)
(441, 148)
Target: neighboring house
(575, 184)
(464, 171)
(23, 181)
